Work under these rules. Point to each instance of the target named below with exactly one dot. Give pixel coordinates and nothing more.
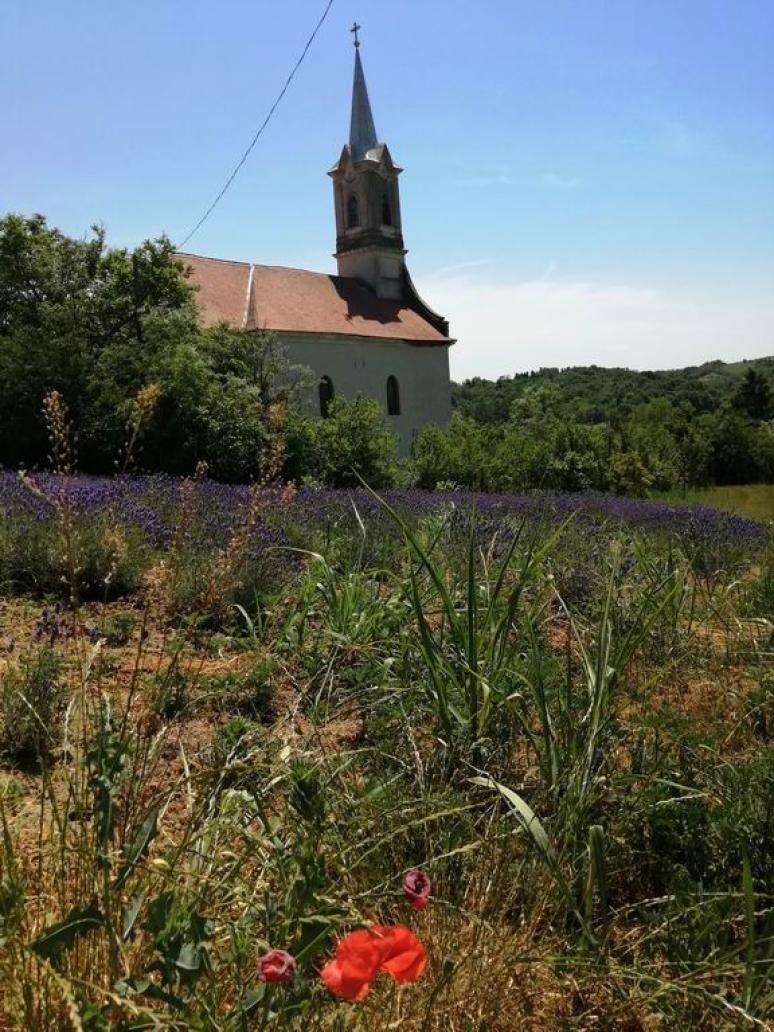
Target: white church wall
(361, 365)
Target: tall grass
(586, 775)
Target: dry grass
(503, 956)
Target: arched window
(393, 397)
(353, 212)
(326, 395)
(386, 211)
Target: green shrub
(111, 560)
(170, 690)
(230, 738)
(353, 441)
(760, 592)
(117, 628)
(760, 707)
(247, 692)
(30, 556)
(31, 705)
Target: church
(365, 331)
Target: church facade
(364, 331)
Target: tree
(735, 458)
(753, 397)
(353, 441)
(464, 453)
(69, 310)
(104, 326)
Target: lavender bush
(123, 521)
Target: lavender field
(313, 759)
(149, 507)
(150, 503)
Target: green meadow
(753, 500)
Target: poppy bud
(276, 966)
(416, 888)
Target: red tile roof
(272, 297)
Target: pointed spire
(362, 132)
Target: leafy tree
(67, 307)
(106, 326)
(695, 453)
(595, 395)
(628, 474)
(735, 455)
(607, 429)
(753, 396)
(353, 441)
(459, 454)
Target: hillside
(592, 394)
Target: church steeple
(369, 243)
(362, 132)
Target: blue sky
(585, 180)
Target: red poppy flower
(358, 957)
(362, 954)
(276, 966)
(416, 888)
(407, 958)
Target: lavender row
(153, 504)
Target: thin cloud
(449, 270)
(550, 270)
(508, 327)
(499, 179)
(677, 136)
(544, 181)
(553, 181)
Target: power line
(263, 125)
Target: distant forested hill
(588, 428)
(592, 394)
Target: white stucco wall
(361, 365)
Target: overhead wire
(261, 128)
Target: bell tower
(369, 240)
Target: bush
(112, 560)
(249, 692)
(30, 560)
(354, 441)
(31, 703)
(117, 628)
(116, 334)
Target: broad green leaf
(62, 935)
(246, 1007)
(138, 847)
(131, 910)
(523, 813)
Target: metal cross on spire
(355, 29)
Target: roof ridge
(292, 268)
(210, 258)
(256, 265)
(248, 298)
(313, 272)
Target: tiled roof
(272, 297)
